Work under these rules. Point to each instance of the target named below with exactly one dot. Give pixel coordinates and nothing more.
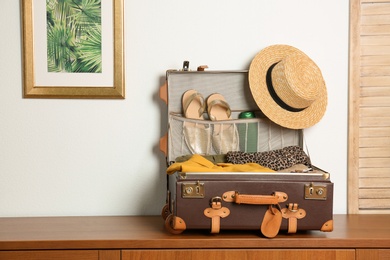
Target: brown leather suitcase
(270, 202)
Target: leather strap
(236, 197)
(216, 212)
(292, 212)
(292, 225)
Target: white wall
(101, 157)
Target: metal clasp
(193, 190)
(186, 65)
(315, 192)
(216, 202)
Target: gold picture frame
(114, 90)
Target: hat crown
(296, 80)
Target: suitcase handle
(236, 197)
(272, 219)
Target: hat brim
(259, 88)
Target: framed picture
(73, 49)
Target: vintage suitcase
(214, 201)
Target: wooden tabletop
(143, 232)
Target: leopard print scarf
(276, 159)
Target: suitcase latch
(192, 190)
(315, 192)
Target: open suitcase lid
(234, 86)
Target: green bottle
(248, 133)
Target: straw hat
(288, 86)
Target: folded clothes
(217, 158)
(198, 163)
(276, 159)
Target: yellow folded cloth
(198, 163)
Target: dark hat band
(275, 96)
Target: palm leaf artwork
(74, 38)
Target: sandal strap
(191, 98)
(221, 103)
